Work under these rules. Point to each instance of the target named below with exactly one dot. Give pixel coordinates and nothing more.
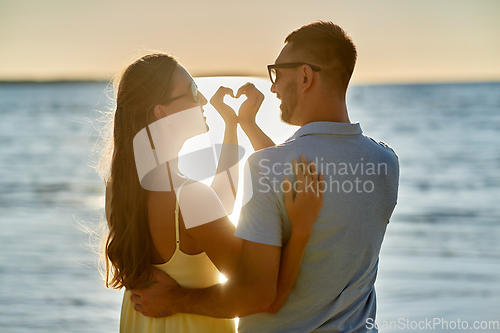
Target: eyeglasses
(193, 92)
(272, 68)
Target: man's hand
(249, 108)
(158, 299)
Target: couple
(301, 260)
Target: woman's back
(161, 218)
(189, 270)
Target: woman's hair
(143, 84)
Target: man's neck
(332, 111)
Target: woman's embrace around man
(182, 228)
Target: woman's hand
(250, 107)
(303, 210)
(227, 113)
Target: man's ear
(307, 77)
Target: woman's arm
(213, 232)
(225, 182)
(246, 117)
(256, 283)
(303, 211)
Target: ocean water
(440, 259)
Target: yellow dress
(189, 271)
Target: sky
(398, 41)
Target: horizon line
(382, 82)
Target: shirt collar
(327, 127)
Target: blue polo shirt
(334, 290)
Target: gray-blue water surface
(440, 257)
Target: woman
(147, 228)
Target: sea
(439, 266)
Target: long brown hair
(143, 84)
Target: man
(334, 289)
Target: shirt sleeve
(260, 217)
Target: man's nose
(202, 99)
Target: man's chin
(284, 116)
(285, 120)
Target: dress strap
(177, 231)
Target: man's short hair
(326, 45)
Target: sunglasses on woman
(193, 92)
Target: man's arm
(246, 117)
(257, 137)
(252, 290)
